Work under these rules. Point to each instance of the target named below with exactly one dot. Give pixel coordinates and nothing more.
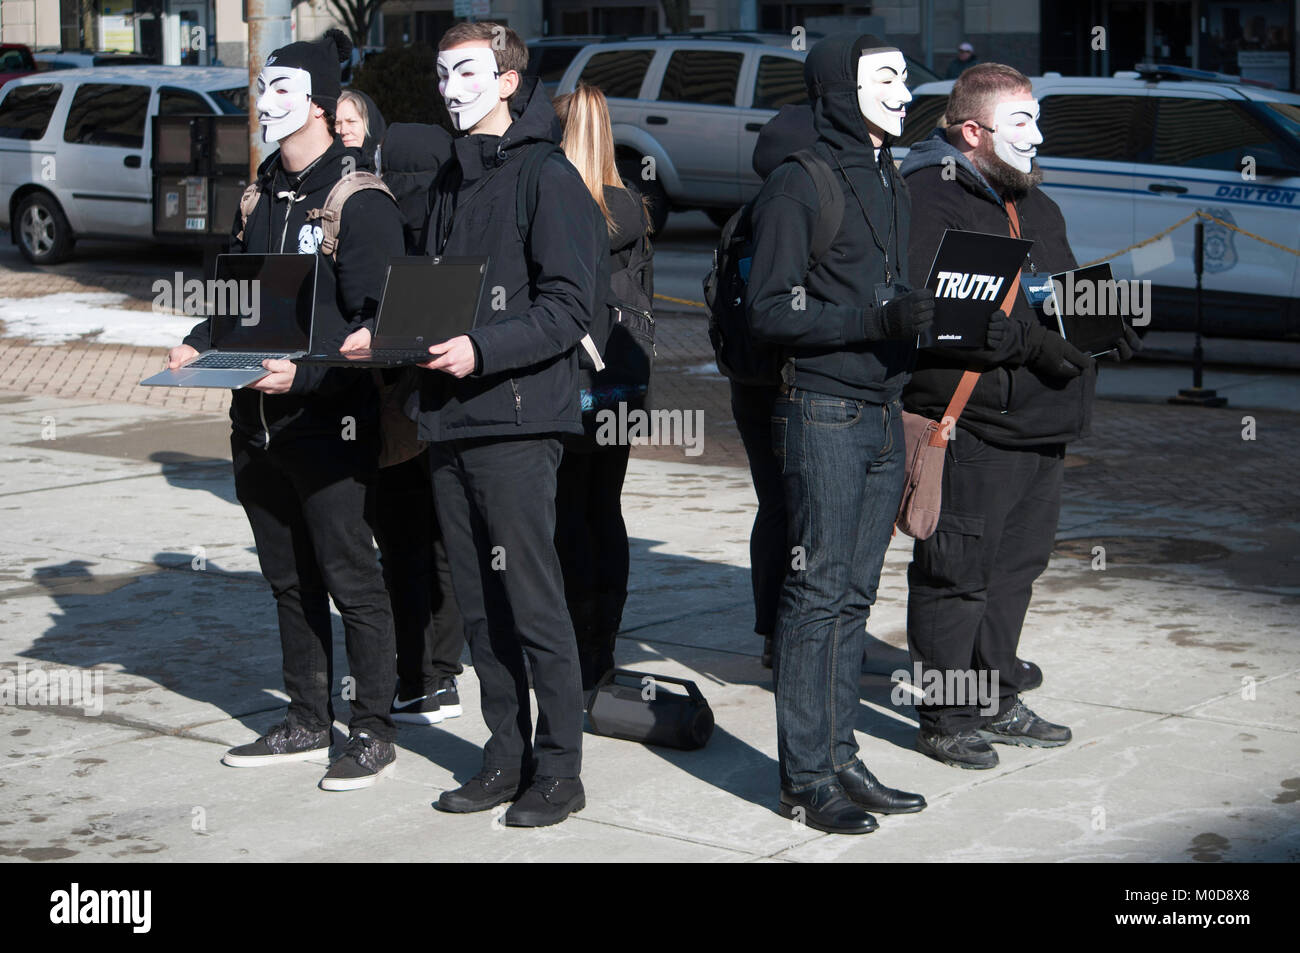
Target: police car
(1128, 156)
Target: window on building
(25, 112)
(108, 114)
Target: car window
(618, 73)
(548, 63)
(1209, 134)
(25, 112)
(779, 83)
(108, 114)
(923, 115)
(707, 77)
(1076, 126)
(232, 102)
(180, 102)
(11, 61)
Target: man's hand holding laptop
(455, 356)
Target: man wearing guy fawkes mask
(304, 439)
(847, 326)
(971, 582)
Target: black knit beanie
(323, 59)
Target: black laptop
(425, 301)
(1086, 312)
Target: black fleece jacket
(526, 381)
(835, 339)
(1011, 406)
(347, 294)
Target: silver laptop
(260, 307)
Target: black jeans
(496, 506)
(426, 622)
(969, 584)
(753, 407)
(306, 504)
(591, 539)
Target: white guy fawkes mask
(882, 89)
(1015, 133)
(467, 80)
(283, 101)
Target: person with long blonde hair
(591, 536)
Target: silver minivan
(75, 148)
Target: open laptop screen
(262, 302)
(426, 300)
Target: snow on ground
(90, 316)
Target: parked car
(694, 103)
(1126, 157)
(75, 148)
(81, 59)
(15, 60)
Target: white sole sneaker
(419, 717)
(263, 760)
(353, 784)
(451, 711)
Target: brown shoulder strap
(331, 213)
(247, 202)
(969, 379)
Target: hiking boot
(965, 749)
(1020, 726)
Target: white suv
(75, 148)
(1127, 157)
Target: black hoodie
(347, 293)
(834, 339)
(526, 381)
(1011, 405)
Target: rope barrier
(1142, 244)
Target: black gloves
(1053, 355)
(999, 331)
(1127, 346)
(901, 318)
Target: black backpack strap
(533, 159)
(829, 196)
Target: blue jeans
(842, 464)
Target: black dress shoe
(965, 749)
(1028, 676)
(1020, 726)
(487, 789)
(547, 801)
(863, 788)
(827, 808)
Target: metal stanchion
(1197, 394)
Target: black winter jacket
(347, 294)
(1011, 406)
(526, 381)
(834, 340)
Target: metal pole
(268, 30)
(1197, 394)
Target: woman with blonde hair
(591, 536)
(358, 122)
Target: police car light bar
(1166, 71)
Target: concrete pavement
(1177, 665)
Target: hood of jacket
(375, 126)
(831, 74)
(532, 118)
(786, 133)
(934, 150)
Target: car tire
(656, 198)
(720, 216)
(43, 233)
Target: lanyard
(893, 216)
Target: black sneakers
(487, 789)
(282, 744)
(1020, 726)
(547, 801)
(365, 760)
(965, 749)
(429, 709)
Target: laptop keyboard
(236, 360)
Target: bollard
(1197, 394)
